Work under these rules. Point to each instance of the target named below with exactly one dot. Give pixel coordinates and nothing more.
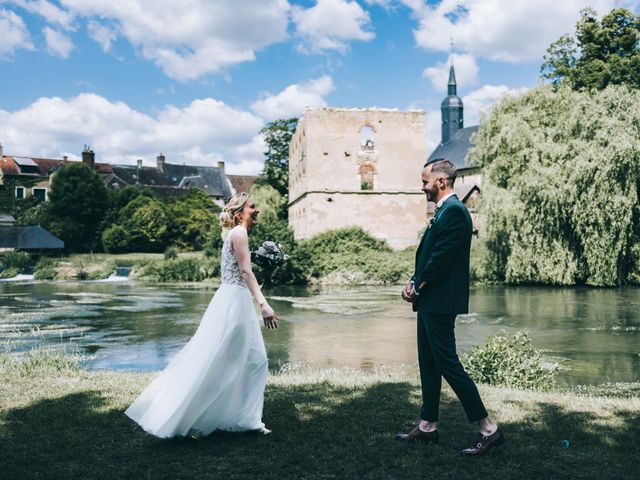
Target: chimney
(88, 157)
(138, 167)
(221, 166)
(1, 154)
(160, 163)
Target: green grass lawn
(57, 421)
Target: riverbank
(58, 421)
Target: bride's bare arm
(240, 243)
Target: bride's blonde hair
(235, 205)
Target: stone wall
(358, 167)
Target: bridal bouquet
(268, 257)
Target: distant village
(347, 167)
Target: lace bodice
(230, 272)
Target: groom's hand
(407, 293)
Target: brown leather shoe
(417, 435)
(484, 444)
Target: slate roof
(29, 237)
(212, 180)
(241, 183)
(455, 150)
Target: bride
(217, 380)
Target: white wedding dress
(217, 380)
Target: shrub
(349, 240)
(47, 262)
(180, 270)
(510, 362)
(45, 273)
(352, 255)
(16, 260)
(80, 264)
(116, 239)
(9, 272)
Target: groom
(439, 290)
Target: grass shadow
(321, 431)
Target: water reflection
(132, 326)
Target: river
(593, 333)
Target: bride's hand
(269, 316)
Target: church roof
(451, 101)
(455, 150)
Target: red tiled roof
(241, 183)
(45, 166)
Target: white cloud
(481, 100)
(330, 24)
(292, 101)
(48, 10)
(249, 157)
(466, 72)
(103, 34)
(499, 30)
(201, 133)
(188, 42)
(14, 35)
(58, 43)
(386, 4)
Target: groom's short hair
(442, 167)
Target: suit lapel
(429, 229)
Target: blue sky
(197, 79)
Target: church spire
(451, 108)
(452, 87)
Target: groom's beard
(432, 194)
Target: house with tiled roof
(241, 183)
(22, 177)
(167, 179)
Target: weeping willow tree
(561, 175)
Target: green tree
(118, 199)
(195, 216)
(116, 239)
(277, 135)
(273, 225)
(78, 203)
(147, 221)
(269, 201)
(561, 179)
(601, 53)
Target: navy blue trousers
(437, 358)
